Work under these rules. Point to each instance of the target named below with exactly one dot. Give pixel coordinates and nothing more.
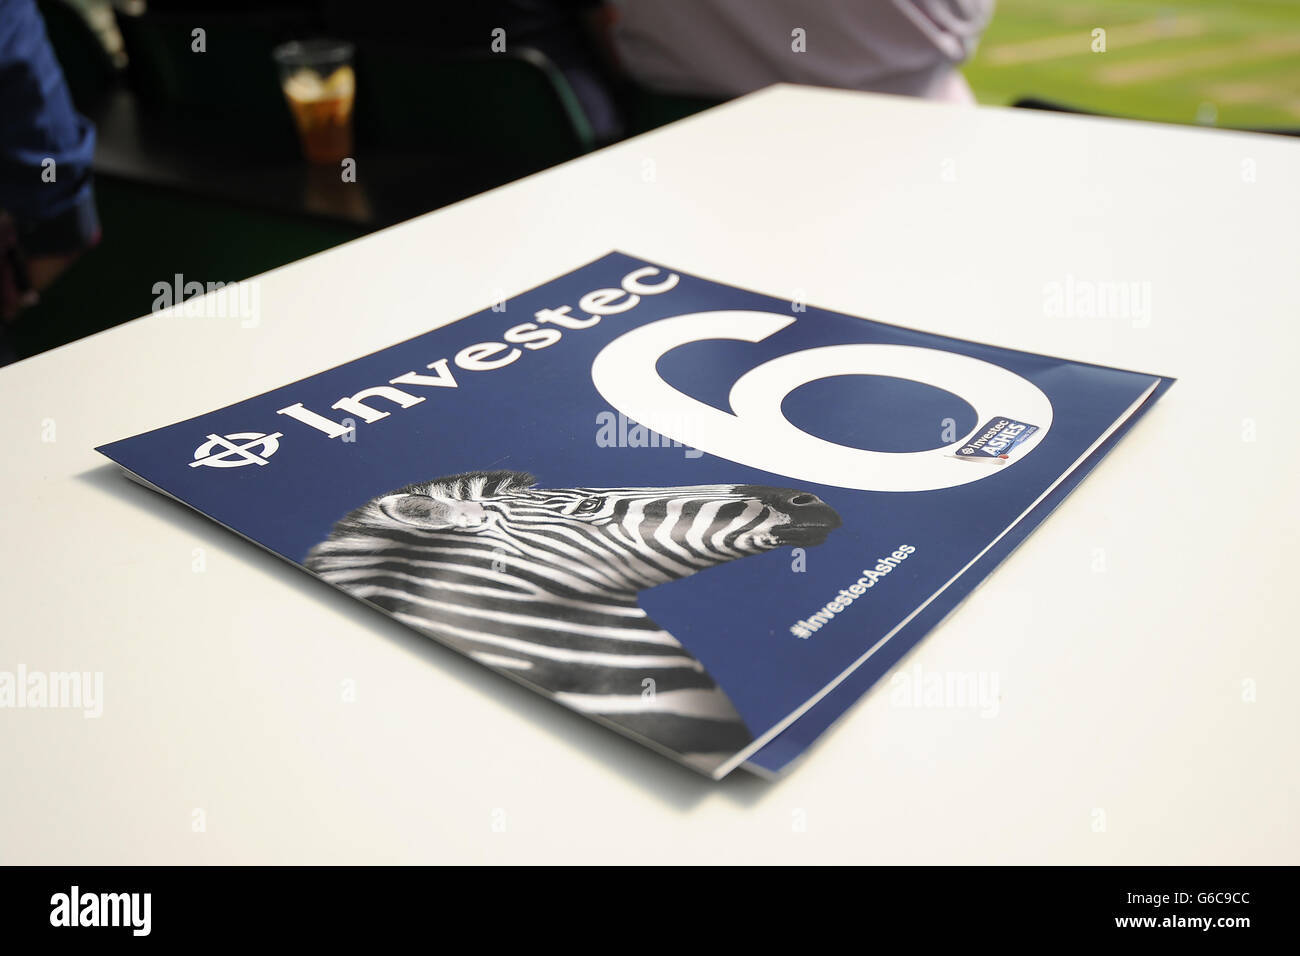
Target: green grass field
(1224, 62)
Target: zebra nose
(793, 501)
(784, 499)
(803, 518)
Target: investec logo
(233, 451)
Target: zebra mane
(470, 485)
(465, 487)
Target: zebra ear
(434, 514)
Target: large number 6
(759, 435)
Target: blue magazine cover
(708, 518)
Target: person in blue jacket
(47, 202)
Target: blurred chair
(515, 104)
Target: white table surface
(1124, 733)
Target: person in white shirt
(723, 48)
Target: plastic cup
(320, 87)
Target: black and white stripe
(542, 584)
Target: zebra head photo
(542, 585)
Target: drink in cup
(320, 87)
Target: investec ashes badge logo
(237, 450)
(996, 441)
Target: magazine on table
(708, 518)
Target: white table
(1124, 731)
